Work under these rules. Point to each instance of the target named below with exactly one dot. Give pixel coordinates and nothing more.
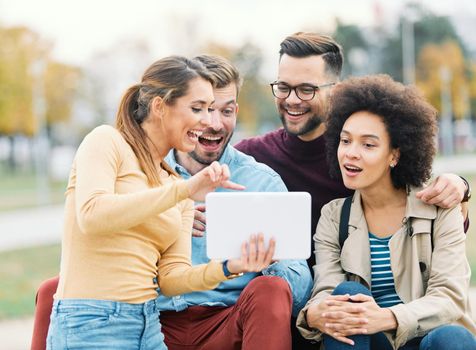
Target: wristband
(225, 268)
(467, 193)
(227, 272)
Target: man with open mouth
(252, 311)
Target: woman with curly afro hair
(400, 279)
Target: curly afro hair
(409, 119)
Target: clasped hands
(341, 316)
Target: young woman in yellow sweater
(128, 217)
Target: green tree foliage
(31, 83)
(19, 49)
(255, 100)
(350, 37)
(427, 28)
(60, 90)
(431, 61)
(472, 87)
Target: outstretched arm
(447, 191)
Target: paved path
(461, 164)
(16, 334)
(32, 226)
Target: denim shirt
(256, 177)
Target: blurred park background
(64, 66)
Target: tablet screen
(233, 216)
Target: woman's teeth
(194, 134)
(352, 168)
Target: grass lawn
(21, 272)
(20, 191)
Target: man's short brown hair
(222, 71)
(303, 44)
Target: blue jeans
(444, 337)
(102, 324)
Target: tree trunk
(11, 163)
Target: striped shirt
(382, 284)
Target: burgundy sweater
(302, 166)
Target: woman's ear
(157, 107)
(395, 157)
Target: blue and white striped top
(382, 284)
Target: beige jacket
(432, 285)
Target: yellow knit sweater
(120, 234)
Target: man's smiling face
(303, 118)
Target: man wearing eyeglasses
(309, 65)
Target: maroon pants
(259, 320)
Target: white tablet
(233, 216)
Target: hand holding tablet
(254, 256)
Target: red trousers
(259, 320)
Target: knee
(352, 288)
(269, 288)
(449, 337)
(266, 291)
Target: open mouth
(295, 113)
(210, 142)
(194, 135)
(352, 169)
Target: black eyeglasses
(304, 92)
